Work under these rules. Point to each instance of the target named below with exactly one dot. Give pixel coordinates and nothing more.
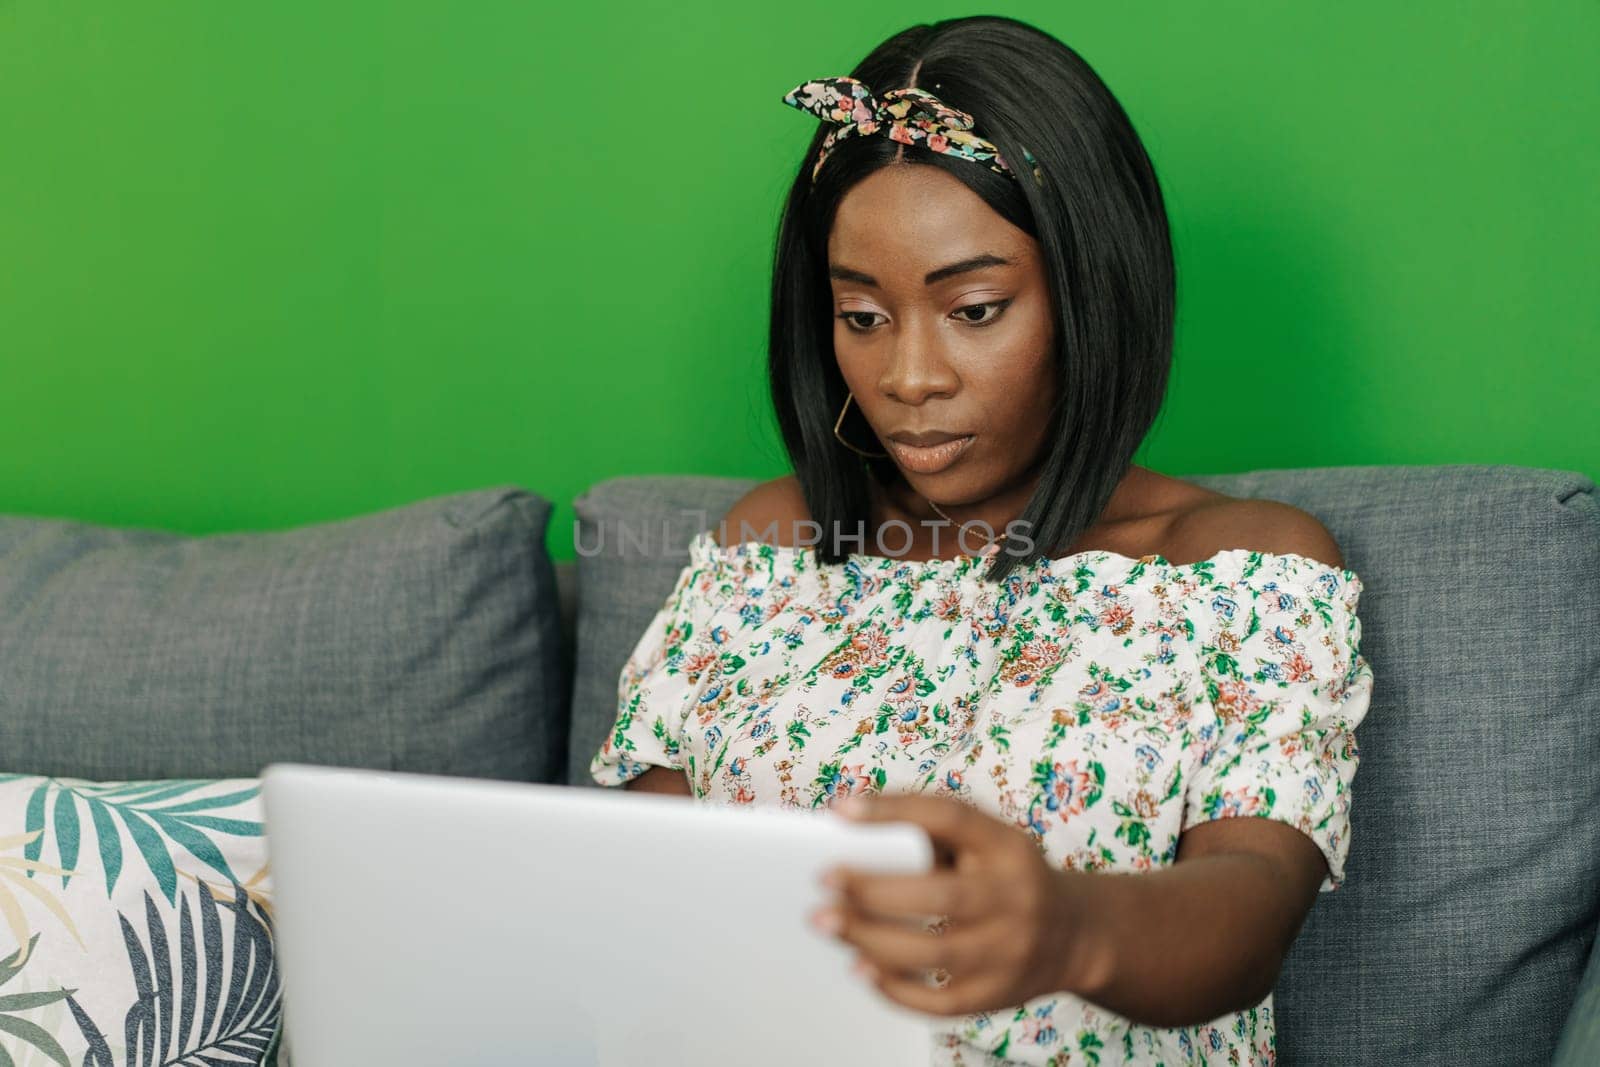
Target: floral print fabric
(1102, 703)
(908, 116)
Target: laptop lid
(432, 920)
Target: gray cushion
(1475, 861)
(632, 540)
(567, 603)
(420, 638)
(1474, 871)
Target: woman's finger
(950, 823)
(959, 996)
(898, 948)
(956, 896)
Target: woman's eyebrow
(978, 262)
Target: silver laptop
(446, 921)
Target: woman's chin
(950, 488)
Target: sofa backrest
(1474, 874)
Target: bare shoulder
(770, 512)
(1224, 522)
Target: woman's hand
(1016, 928)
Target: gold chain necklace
(990, 547)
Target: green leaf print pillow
(135, 924)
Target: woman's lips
(928, 459)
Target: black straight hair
(1101, 226)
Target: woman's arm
(660, 780)
(1189, 943)
(1179, 946)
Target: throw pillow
(423, 638)
(135, 923)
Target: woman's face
(943, 331)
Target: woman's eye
(971, 315)
(982, 319)
(853, 319)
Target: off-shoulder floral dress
(1103, 703)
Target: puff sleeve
(1283, 687)
(657, 687)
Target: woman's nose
(917, 370)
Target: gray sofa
(439, 637)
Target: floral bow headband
(909, 116)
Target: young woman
(968, 609)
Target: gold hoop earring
(849, 396)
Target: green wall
(270, 264)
